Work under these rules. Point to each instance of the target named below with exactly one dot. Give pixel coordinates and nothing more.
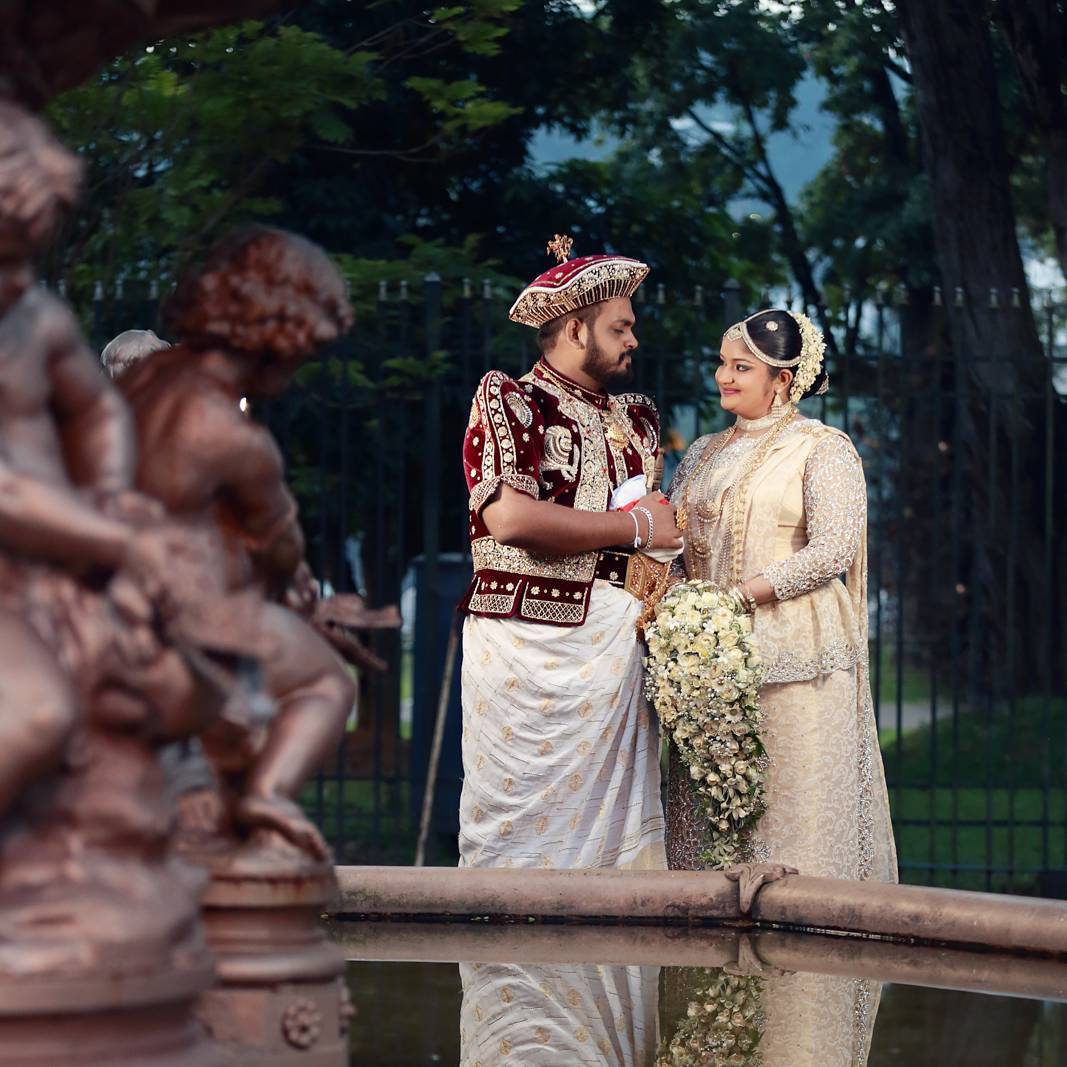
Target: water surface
(647, 997)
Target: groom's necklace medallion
(617, 426)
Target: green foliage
(460, 105)
(183, 137)
(361, 125)
(475, 24)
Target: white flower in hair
(812, 350)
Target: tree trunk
(951, 55)
(1035, 31)
(1001, 376)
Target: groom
(561, 759)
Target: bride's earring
(776, 404)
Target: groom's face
(609, 344)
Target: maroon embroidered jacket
(550, 438)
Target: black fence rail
(966, 534)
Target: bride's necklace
(697, 540)
(764, 423)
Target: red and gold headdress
(575, 283)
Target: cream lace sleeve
(835, 509)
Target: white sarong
(562, 1015)
(560, 752)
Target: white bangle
(651, 525)
(637, 530)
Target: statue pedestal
(136, 1020)
(280, 1000)
(102, 948)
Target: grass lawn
(1002, 746)
(348, 821)
(973, 829)
(913, 684)
(987, 791)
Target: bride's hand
(665, 533)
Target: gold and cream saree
(791, 506)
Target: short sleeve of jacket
(504, 440)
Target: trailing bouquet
(703, 671)
(723, 1025)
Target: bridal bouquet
(723, 1025)
(703, 673)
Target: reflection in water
(606, 1016)
(712, 1017)
(724, 998)
(551, 1015)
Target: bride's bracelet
(651, 525)
(748, 601)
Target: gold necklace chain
(571, 388)
(698, 545)
(738, 492)
(737, 515)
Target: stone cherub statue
(125, 628)
(258, 308)
(337, 618)
(116, 630)
(121, 631)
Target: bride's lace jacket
(800, 510)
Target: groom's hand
(665, 533)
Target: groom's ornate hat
(575, 283)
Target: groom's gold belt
(633, 571)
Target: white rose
(705, 644)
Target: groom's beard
(610, 371)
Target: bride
(775, 508)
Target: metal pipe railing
(915, 914)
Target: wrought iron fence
(966, 539)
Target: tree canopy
(379, 128)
